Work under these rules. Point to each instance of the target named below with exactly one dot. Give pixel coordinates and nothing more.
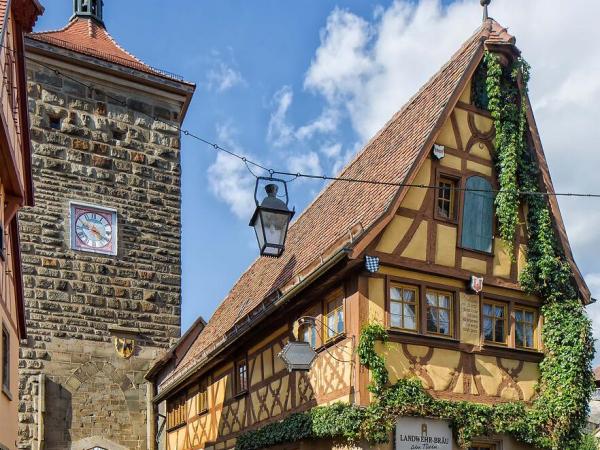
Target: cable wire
(248, 162)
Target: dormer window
(478, 215)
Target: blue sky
(301, 85)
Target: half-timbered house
(425, 242)
(16, 190)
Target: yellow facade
(422, 255)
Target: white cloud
(340, 62)
(332, 150)
(308, 163)
(593, 281)
(280, 132)
(368, 69)
(222, 78)
(228, 179)
(327, 122)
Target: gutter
(281, 300)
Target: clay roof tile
(86, 36)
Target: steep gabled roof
(393, 155)
(89, 37)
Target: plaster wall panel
(445, 245)
(481, 168)
(415, 196)
(394, 233)
(417, 247)
(446, 136)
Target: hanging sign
(415, 433)
(298, 356)
(476, 284)
(439, 151)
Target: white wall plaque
(415, 433)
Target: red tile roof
(86, 36)
(389, 156)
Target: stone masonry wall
(88, 148)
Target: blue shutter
(478, 215)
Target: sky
(302, 85)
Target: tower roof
(88, 36)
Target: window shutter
(478, 215)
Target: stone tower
(101, 248)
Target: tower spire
(89, 9)
(485, 4)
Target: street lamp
(271, 218)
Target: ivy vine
(556, 418)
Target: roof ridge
(112, 39)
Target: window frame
(451, 312)
(536, 318)
(336, 296)
(512, 305)
(238, 388)
(507, 321)
(177, 412)
(403, 286)
(456, 178)
(422, 287)
(5, 361)
(2, 242)
(202, 394)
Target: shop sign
(414, 433)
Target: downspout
(151, 437)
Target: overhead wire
(295, 175)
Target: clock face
(93, 229)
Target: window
(54, 122)
(446, 194)
(334, 317)
(495, 322)
(2, 255)
(483, 447)
(525, 326)
(118, 135)
(478, 215)
(403, 307)
(439, 312)
(5, 361)
(202, 398)
(176, 412)
(308, 333)
(241, 371)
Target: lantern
(271, 218)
